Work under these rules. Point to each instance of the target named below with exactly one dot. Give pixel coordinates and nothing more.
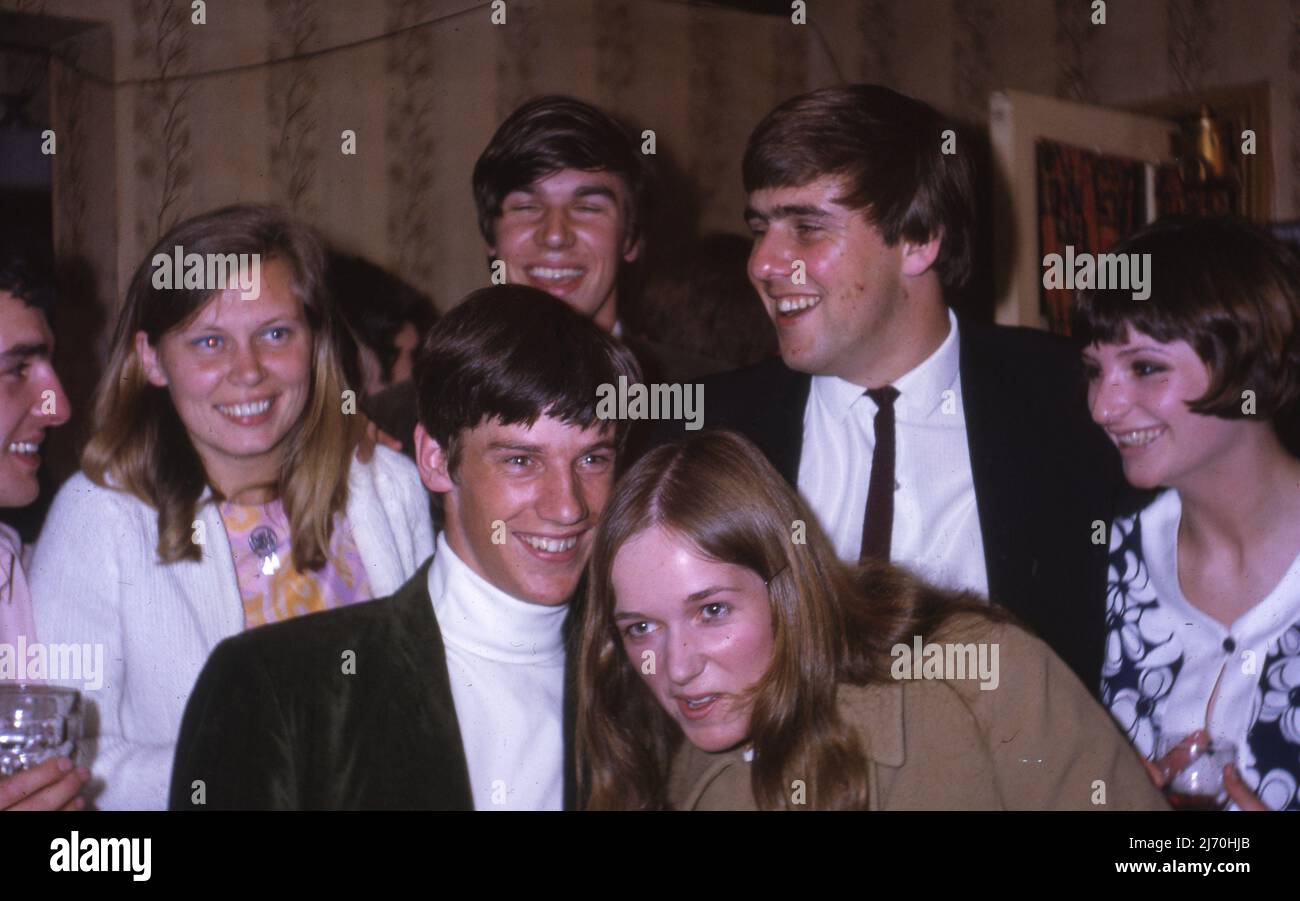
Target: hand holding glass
(1194, 766)
(37, 723)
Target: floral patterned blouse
(272, 587)
(1165, 657)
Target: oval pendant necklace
(263, 541)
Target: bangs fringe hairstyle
(551, 133)
(139, 443)
(832, 624)
(515, 353)
(1227, 287)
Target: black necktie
(878, 523)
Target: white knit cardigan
(95, 578)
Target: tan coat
(1038, 741)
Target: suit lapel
(419, 640)
(778, 425)
(1004, 468)
(788, 440)
(995, 431)
(572, 649)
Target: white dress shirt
(505, 658)
(936, 530)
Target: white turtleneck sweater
(505, 658)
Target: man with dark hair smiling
(561, 193)
(961, 450)
(31, 401)
(451, 694)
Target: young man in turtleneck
(451, 693)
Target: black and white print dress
(1164, 656)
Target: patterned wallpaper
(1073, 42)
(162, 45)
(1190, 24)
(411, 226)
(252, 104)
(877, 39)
(293, 93)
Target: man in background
(389, 320)
(562, 192)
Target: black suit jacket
(1043, 473)
(275, 722)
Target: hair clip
(768, 583)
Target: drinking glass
(1199, 784)
(37, 723)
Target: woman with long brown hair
(718, 613)
(221, 488)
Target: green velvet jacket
(350, 709)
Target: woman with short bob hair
(222, 487)
(1203, 603)
(718, 613)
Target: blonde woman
(221, 488)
